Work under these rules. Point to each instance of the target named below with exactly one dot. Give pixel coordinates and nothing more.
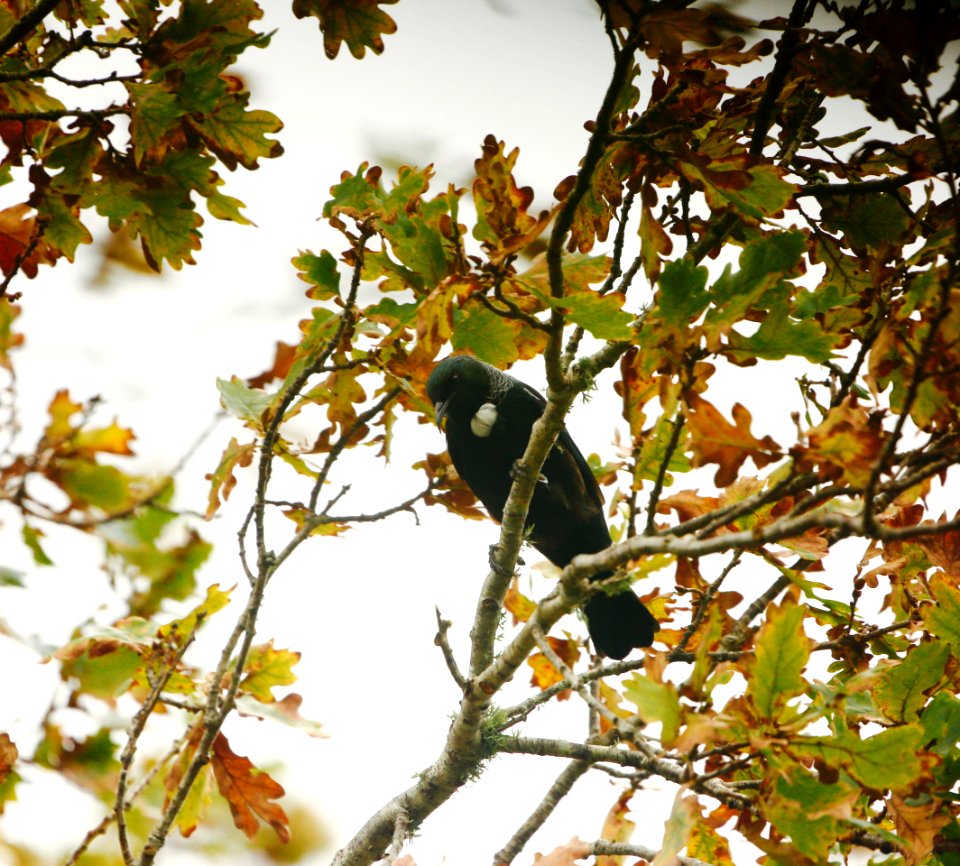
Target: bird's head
(458, 383)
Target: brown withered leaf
(8, 755)
(359, 23)
(716, 440)
(282, 361)
(667, 29)
(943, 550)
(617, 827)
(20, 242)
(451, 492)
(249, 792)
(504, 225)
(918, 826)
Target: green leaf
(178, 630)
(944, 619)
(681, 297)
(170, 570)
(901, 691)
(238, 136)
(885, 760)
(155, 114)
(802, 807)
(866, 223)
(941, 723)
(655, 702)
(600, 315)
(780, 335)
(757, 192)
(321, 273)
(247, 404)
(763, 266)
(10, 577)
(104, 664)
(419, 231)
(782, 651)
(486, 335)
(653, 451)
(226, 207)
(167, 223)
(31, 538)
(267, 668)
(64, 230)
(391, 313)
(90, 484)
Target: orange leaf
(248, 791)
(544, 673)
(518, 604)
(716, 440)
(282, 361)
(565, 855)
(20, 242)
(844, 445)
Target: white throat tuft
(482, 423)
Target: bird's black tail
(618, 623)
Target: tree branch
(28, 22)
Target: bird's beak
(440, 407)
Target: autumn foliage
(726, 220)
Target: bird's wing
(567, 470)
(568, 474)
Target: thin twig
(441, 640)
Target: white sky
(360, 608)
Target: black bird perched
(490, 416)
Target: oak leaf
(715, 440)
(8, 755)
(566, 855)
(844, 445)
(617, 827)
(517, 604)
(782, 651)
(249, 792)
(359, 23)
(222, 479)
(918, 825)
(504, 225)
(286, 711)
(265, 669)
(544, 673)
(20, 243)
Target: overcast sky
(360, 608)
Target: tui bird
(489, 418)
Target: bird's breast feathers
(482, 422)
